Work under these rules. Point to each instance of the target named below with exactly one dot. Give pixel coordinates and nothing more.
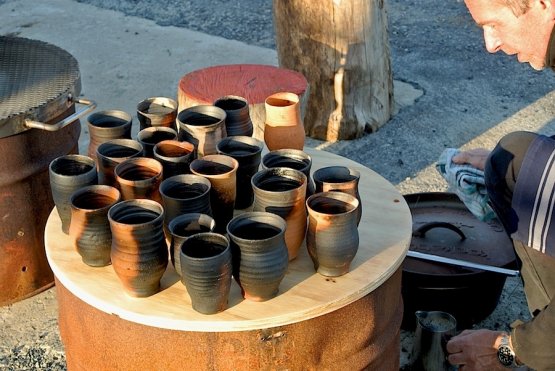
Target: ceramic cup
(206, 271)
(67, 174)
(157, 111)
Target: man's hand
(475, 350)
(476, 157)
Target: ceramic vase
(238, 120)
(206, 271)
(67, 174)
(185, 194)
(204, 126)
(260, 256)
(175, 157)
(113, 152)
(247, 151)
(139, 177)
(157, 111)
(221, 171)
(90, 229)
(150, 136)
(139, 251)
(181, 228)
(282, 191)
(107, 125)
(293, 159)
(332, 236)
(341, 179)
(283, 126)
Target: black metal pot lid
(442, 225)
(38, 81)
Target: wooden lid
(385, 234)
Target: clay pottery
(113, 152)
(247, 151)
(181, 228)
(185, 194)
(260, 257)
(67, 174)
(139, 177)
(339, 178)
(150, 136)
(293, 159)
(90, 229)
(332, 235)
(282, 191)
(204, 126)
(206, 271)
(139, 251)
(221, 171)
(238, 120)
(107, 125)
(157, 111)
(283, 126)
(175, 156)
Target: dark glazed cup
(153, 135)
(332, 236)
(157, 111)
(107, 125)
(174, 156)
(184, 226)
(185, 194)
(90, 229)
(67, 174)
(260, 257)
(238, 120)
(247, 151)
(112, 153)
(204, 126)
(206, 271)
(139, 250)
(221, 171)
(139, 177)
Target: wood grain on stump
(342, 48)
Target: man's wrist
(505, 351)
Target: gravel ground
(467, 100)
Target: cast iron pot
(443, 226)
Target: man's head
(516, 27)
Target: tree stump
(254, 82)
(342, 48)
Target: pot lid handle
(421, 231)
(90, 105)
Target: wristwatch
(505, 353)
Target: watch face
(505, 355)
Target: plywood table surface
(385, 232)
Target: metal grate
(33, 74)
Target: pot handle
(90, 105)
(421, 231)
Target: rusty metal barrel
(39, 83)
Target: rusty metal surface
(37, 81)
(361, 335)
(25, 204)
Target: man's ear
(546, 4)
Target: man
(521, 187)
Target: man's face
(526, 35)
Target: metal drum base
(361, 335)
(25, 204)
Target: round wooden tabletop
(385, 233)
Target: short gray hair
(518, 7)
